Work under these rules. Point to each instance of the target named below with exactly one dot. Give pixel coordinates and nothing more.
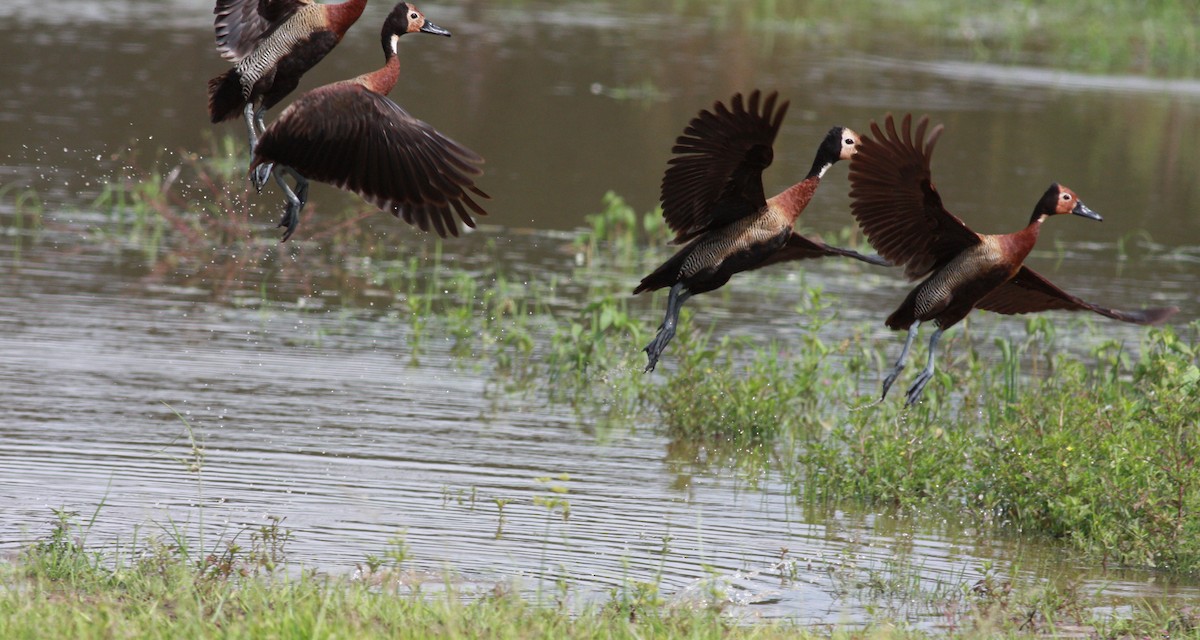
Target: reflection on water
(312, 409)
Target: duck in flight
(272, 44)
(351, 135)
(894, 200)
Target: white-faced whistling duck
(712, 197)
(272, 43)
(350, 135)
(899, 209)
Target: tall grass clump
(716, 398)
(1100, 457)
(1109, 465)
(193, 198)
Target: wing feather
(715, 176)
(240, 24)
(1029, 292)
(361, 141)
(799, 247)
(896, 203)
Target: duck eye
(412, 16)
(850, 141)
(1066, 196)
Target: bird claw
(290, 220)
(654, 350)
(918, 387)
(652, 354)
(260, 175)
(887, 382)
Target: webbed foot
(914, 392)
(260, 175)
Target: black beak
(430, 27)
(1082, 210)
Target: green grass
(1102, 458)
(27, 212)
(59, 587)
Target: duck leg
(252, 129)
(914, 392)
(258, 120)
(666, 330)
(251, 126)
(295, 199)
(887, 382)
(263, 171)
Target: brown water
(311, 409)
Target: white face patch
(850, 144)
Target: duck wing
(1028, 292)
(799, 247)
(361, 141)
(240, 24)
(715, 176)
(896, 204)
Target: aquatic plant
(618, 235)
(27, 212)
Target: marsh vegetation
(1086, 446)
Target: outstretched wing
(363, 142)
(715, 176)
(240, 23)
(894, 200)
(1029, 292)
(799, 247)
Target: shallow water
(307, 400)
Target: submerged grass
(27, 211)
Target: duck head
(406, 18)
(1059, 200)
